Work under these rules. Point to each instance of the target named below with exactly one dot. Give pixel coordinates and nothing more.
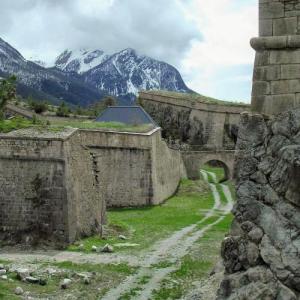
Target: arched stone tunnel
(194, 160)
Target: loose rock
(107, 249)
(32, 279)
(22, 274)
(2, 272)
(19, 291)
(65, 283)
(86, 280)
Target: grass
(14, 124)
(115, 126)
(220, 173)
(195, 266)
(144, 226)
(59, 125)
(121, 268)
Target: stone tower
(276, 78)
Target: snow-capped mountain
(44, 84)
(85, 76)
(122, 74)
(80, 61)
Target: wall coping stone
(275, 42)
(194, 104)
(149, 133)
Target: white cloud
(226, 29)
(207, 40)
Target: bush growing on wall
(7, 93)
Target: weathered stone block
(267, 73)
(260, 88)
(285, 87)
(285, 56)
(271, 10)
(285, 26)
(279, 102)
(262, 58)
(291, 71)
(266, 27)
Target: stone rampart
(133, 169)
(54, 187)
(42, 197)
(192, 124)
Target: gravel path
(170, 251)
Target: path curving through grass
(166, 255)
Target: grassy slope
(58, 125)
(64, 122)
(144, 226)
(196, 97)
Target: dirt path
(169, 252)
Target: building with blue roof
(131, 115)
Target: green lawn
(218, 171)
(144, 226)
(84, 124)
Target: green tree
(38, 107)
(102, 104)
(63, 110)
(7, 93)
(109, 101)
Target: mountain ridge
(84, 76)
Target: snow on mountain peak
(80, 60)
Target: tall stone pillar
(276, 78)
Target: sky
(207, 41)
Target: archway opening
(216, 170)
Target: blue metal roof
(132, 115)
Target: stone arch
(222, 164)
(194, 160)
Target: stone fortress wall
(192, 124)
(41, 198)
(54, 187)
(276, 79)
(133, 169)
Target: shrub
(38, 107)
(63, 110)
(7, 92)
